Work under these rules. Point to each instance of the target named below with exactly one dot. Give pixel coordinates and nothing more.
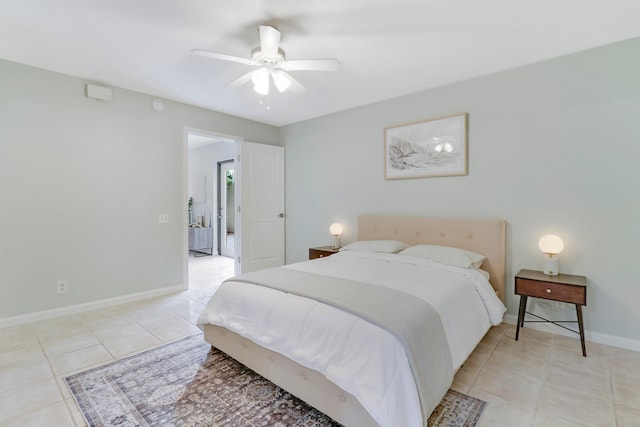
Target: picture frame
(429, 148)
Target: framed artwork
(435, 147)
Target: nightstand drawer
(321, 252)
(552, 291)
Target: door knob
(281, 215)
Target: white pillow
(384, 246)
(446, 255)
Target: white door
(227, 209)
(260, 206)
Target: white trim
(93, 305)
(597, 337)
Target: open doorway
(203, 265)
(226, 208)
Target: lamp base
(550, 267)
(336, 245)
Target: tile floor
(35, 357)
(540, 381)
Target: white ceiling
(387, 48)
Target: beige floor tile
(545, 420)
(28, 354)
(202, 297)
(54, 415)
(16, 337)
(130, 344)
(20, 401)
(60, 327)
(575, 380)
(67, 344)
(24, 375)
(64, 389)
(627, 417)
(502, 413)
(463, 380)
(523, 363)
(575, 407)
(14, 331)
(528, 347)
(625, 370)
(622, 354)
(529, 334)
(80, 360)
(573, 344)
(574, 359)
(101, 314)
(173, 331)
(493, 337)
(481, 353)
(76, 415)
(117, 320)
(509, 385)
(466, 375)
(154, 317)
(627, 394)
(118, 330)
(186, 309)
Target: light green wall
(81, 185)
(553, 148)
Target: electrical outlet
(163, 218)
(62, 286)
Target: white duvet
(362, 358)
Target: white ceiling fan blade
(311, 64)
(269, 41)
(245, 78)
(296, 86)
(222, 56)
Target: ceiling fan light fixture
(270, 60)
(260, 79)
(281, 81)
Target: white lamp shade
(335, 229)
(281, 80)
(551, 244)
(260, 79)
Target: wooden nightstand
(322, 251)
(563, 288)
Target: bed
(322, 367)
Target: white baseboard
(93, 305)
(597, 337)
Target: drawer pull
(548, 290)
(321, 256)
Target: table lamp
(336, 231)
(551, 246)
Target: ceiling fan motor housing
(261, 59)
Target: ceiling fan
(272, 64)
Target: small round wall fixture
(157, 105)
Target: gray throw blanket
(413, 321)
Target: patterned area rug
(188, 383)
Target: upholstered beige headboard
(484, 236)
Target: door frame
(186, 131)
(219, 193)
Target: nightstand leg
(521, 312)
(581, 326)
